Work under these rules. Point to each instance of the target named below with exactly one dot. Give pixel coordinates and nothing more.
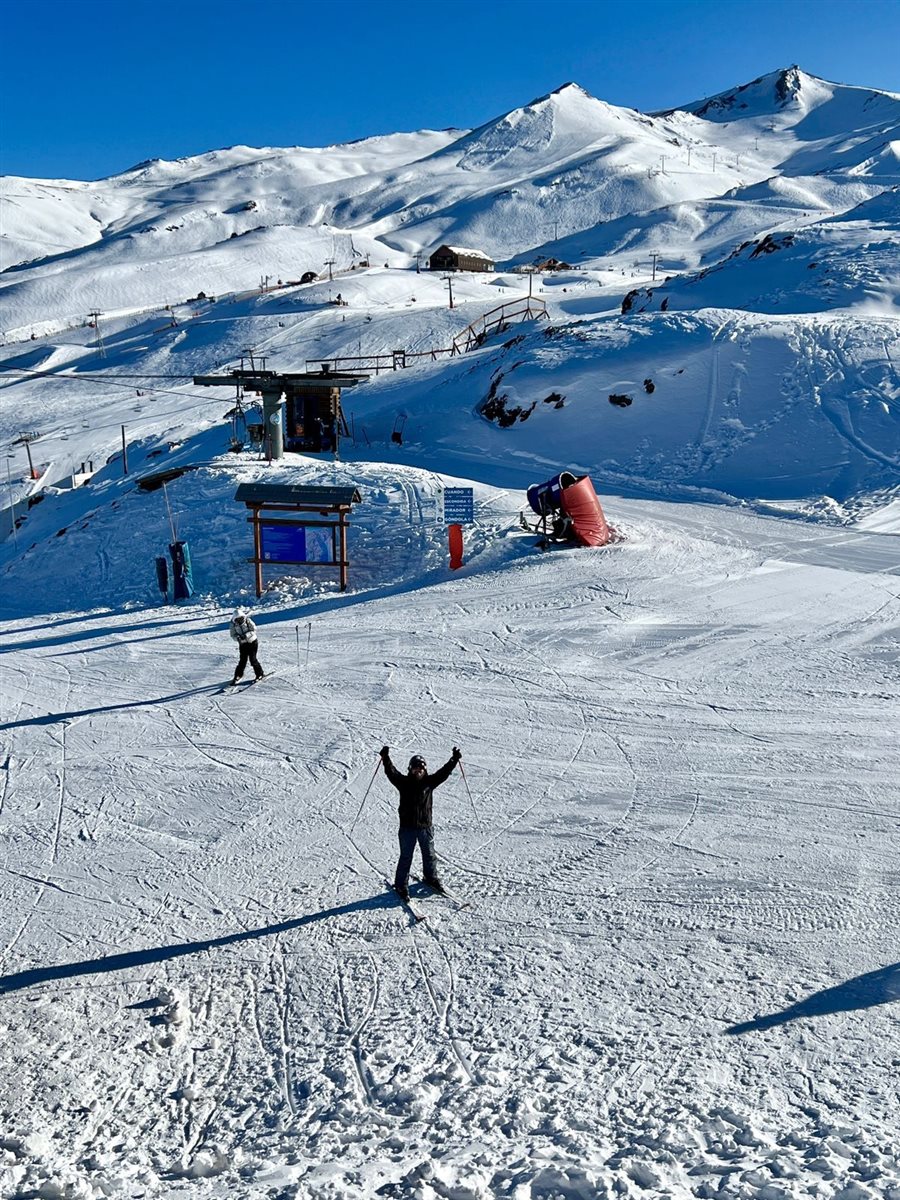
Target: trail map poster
(296, 544)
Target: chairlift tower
(95, 317)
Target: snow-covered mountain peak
(765, 96)
(790, 95)
(551, 127)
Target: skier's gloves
(457, 754)
(384, 751)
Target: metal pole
(12, 505)
(124, 453)
(466, 782)
(362, 802)
(308, 636)
(257, 552)
(169, 510)
(28, 452)
(343, 541)
(274, 437)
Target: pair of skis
(233, 687)
(418, 915)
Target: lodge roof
(300, 494)
(468, 253)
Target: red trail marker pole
(455, 538)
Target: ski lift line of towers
(265, 285)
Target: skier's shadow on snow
(142, 958)
(105, 636)
(865, 991)
(52, 718)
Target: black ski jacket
(415, 793)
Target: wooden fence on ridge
(496, 320)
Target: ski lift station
(301, 412)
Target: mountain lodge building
(454, 258)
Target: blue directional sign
(459, 506)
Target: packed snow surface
(668, 967)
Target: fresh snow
(678, 826)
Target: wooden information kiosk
(297, 525)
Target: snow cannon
(569, 510)
(579, 501)
(544, 498)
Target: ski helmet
(418, 761)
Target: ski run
(668, 966)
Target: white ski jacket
(242, 630)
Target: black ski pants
(248, 651)
(409, 838)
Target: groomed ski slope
(680, 838)
(678, 828)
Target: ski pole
(466, 782)
(368, 789)
(297, 630)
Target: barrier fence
(495, 320)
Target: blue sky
(89, 89)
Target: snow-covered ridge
(564, 161)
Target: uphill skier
(243, 630)
(415, 788)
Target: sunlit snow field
(669, 968)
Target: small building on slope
(455, 258)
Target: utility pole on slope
(654, 255)
(329, 263)
(448, 279)
(95, 317)
(26, 439)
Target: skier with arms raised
(415, 809)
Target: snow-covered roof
(469, 253)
